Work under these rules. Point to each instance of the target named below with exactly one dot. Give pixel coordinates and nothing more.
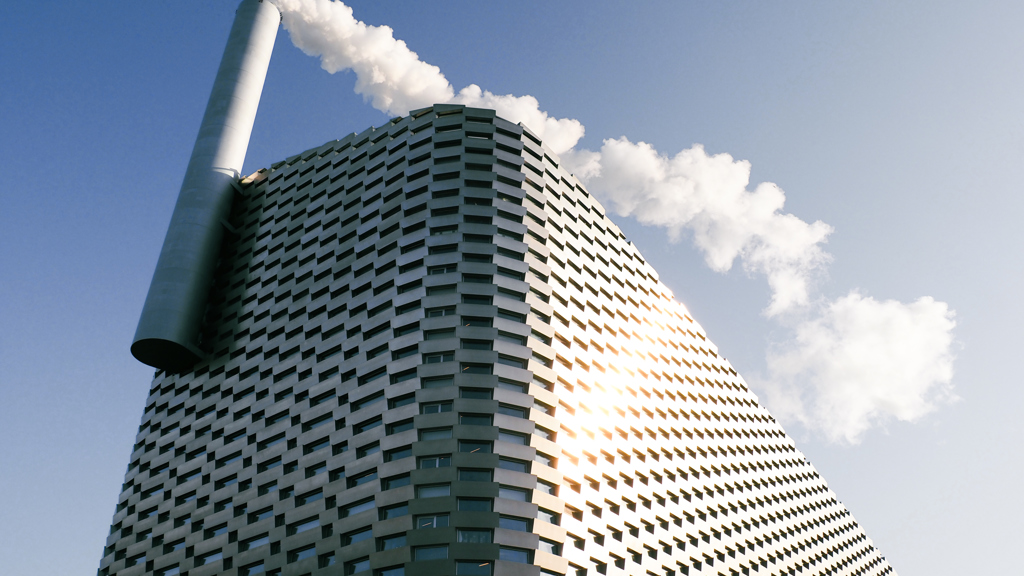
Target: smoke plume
(393, 78)
(707, 196)
(859, 362)
(849, 364)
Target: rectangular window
(391, 542)
(261, 515)
(509, 493)
(302, 553)
(430, 553)
(438, 357)
(435, 434)
(473, 568)
(254, 542)
(439, 334)
(476, 393)
(357, 536)
(398, 453)
(474, 475)
(435, 407)
(515, 555)
(513, 523)
(395, 482)
(209, 558)
(363, 478)
(316, 445)
(474, 536)
(438, 382)
(302, 526)
(399, 427)
(512, 438)
(513, 465)
(366, 425)
(441, 461)
(475, 446)
(475, 419)
(357, 566)
(357, 507)
(432, 521)
(394, 511)
(433, 490)
(474, 504)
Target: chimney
(168, 331)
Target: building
(423, 350)
(430, 352)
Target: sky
(897, 124)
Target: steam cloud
(394, 79)
(860, 361)
(851, 364)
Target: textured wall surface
(429, 353)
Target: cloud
(393, 78)
(707, 196)
(859, 362)
(850, 364)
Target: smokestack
(168, 331)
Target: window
(474, 504)
(394, 511)
(367, 450)
(316, 469)
(254, 542)
(441, 461)
(137, 559)
(209, 558)
(513, 523)
(368, 401)
(391, 542)
(474, 475)
(395, 482)
(476, 393)
(326, 560)
(210, 532)
(473, 568)
(514, 494)
(261, 515)
(357, 507)
(435, 434)
(357, 536)
(513, 465)
(438, 381)
(512, 438)
(443, 269)
(468, 368)
(299, 554)
(474, 536)
(399, 427)
(433, 490)
(318, 445)
(402, 401)
(513, 411)
(441, 311)
(439, 334)
(398, 453)
(514, 555)
(303, 526)
(393, 571)
(364, 426)
(430, 553)
(356, 566)
(251, 569)
(363, 478)
(477, 322)
(438, 357)
(475, 419)
(474, 447)
(436, 407)
(432, 521)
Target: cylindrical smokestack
(171, 319)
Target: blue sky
(899, 125)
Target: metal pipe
(168, 331)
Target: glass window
(356, 566)
(514, 555)
(513, 523)
(476, 393)
(357, 536)
(474, 446)
(436, 407)
(474, 504)
(430, 553)
(440, 461)
(432, 521)
(394, 511)
(473, 568)
(433, 491)
(514, 494)
(474, 536)
(475, 419)
(436, 434)
(302, 553)
(391, 542)
(474, 475)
